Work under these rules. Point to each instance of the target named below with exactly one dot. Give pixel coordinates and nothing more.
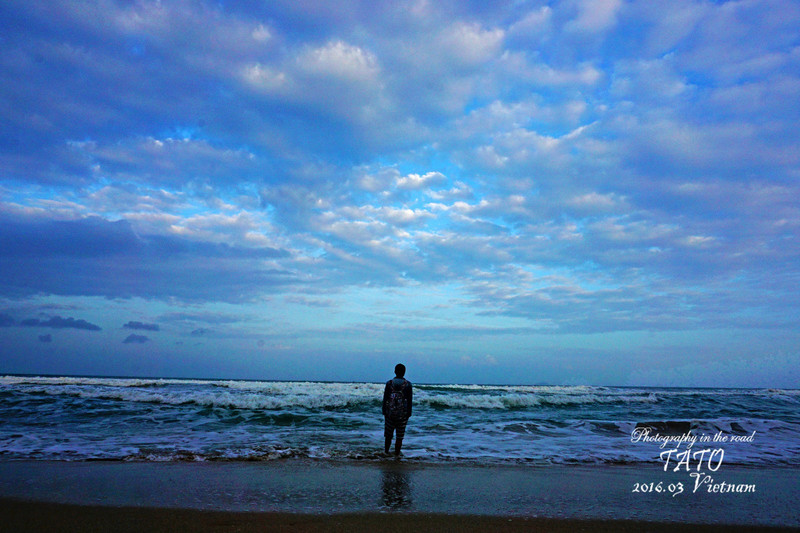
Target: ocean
(180, 420)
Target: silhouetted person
(397, 397)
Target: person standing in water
(397, 398)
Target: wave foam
(517, 401)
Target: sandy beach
(34, 517)
(305, 495)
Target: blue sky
(577, 192)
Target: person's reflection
(396, 489)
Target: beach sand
(30, 517)
(325, 495)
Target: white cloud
(337, 79)
(417, 181)
(112, 199)
(469, 44)
(684, 172)
(596, 201)
(700, 241)
(166, 160)
(522, 67)
(656, 80)
(261, 34)
(595, 16)
(740, 40)
(503, 116)
(537, 22)
(670, 22)
(525, 148)
(404, 216)
(356, 231)
(460, 191)
(380, 180)
(264, 78)
(341, 60)
(622, 229)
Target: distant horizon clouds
(571, 192)
(135, 324)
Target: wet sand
(308, 495)
(30, 517)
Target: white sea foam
(210, 398)
(513, 401)
(88, 381)
(254, 395)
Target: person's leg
(388, 429)
(400, 427)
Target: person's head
(400, 370)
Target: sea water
(80, 419)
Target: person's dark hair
(400, 370)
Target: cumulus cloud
(341, 60)
(469, 44)
(415, 181)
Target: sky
(580, 192)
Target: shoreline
(319, 489)
(36, 517)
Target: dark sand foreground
(309, 495)
(24, 517)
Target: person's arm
(410, 399)
(385, 401)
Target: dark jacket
(403, 385)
